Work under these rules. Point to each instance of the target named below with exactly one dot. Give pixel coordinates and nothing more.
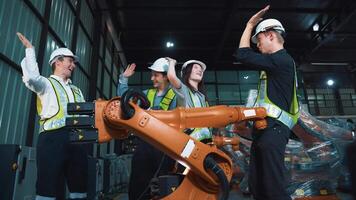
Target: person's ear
(270, 35)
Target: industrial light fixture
(169, 44)
(316, 27)
(330, 82)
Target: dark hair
(185, 76)
(279, 34)
(163, 73)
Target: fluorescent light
(316, 27)
(169, 44)
(330, 82)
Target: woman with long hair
(190, 92)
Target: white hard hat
(160, 65)
(203, 65)
(265, 25)
(61, 52)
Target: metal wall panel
(62, 20)
(74, 3)
(81, 81)
(101, 51)
(86, 17)
(107, 82)
(98, 82)
(108, 59)
(115, 73)
(14, 106)
(113, 92)
(51, 45)
(84, 50)
(40, 5)
(15, 16)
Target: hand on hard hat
(160, 65)
(24, 40)
(257, 17)
(171, 61)
(130, 70)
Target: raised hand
(24, 40)
(171, 61)
(130, 70)
(257, 17)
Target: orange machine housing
(164, 130)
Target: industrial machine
(210, 169)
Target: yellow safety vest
(200, 133)
(166, 100)
(58, 120)
(288, 118)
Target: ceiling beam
(344, 21)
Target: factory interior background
(107, 35)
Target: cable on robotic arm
(210, 163)
(126, 108)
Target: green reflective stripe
(58, 120)
(77, 94)
(166, 100)
(201, 134)
(151, 94)
(38, 105)
(193, 99)
(289, 118)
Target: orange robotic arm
(163, 129)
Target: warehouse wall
(48, 25)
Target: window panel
(227, 76)
(248, 77)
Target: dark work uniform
(147, 162)
(267, 179)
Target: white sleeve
(31, 75)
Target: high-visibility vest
(58, 120)
(288, 118)
(199, 133)
(166, 100)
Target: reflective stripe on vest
(199, 133)
(287, 118)
(58, 120)
(166, 100)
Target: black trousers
(267, 179)
(57, 161)
(147, 161)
